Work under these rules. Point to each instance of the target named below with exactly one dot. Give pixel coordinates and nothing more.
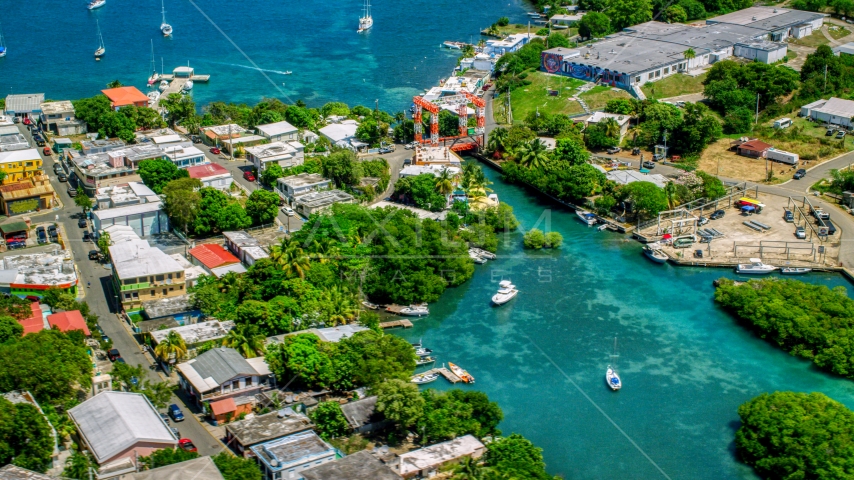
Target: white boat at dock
(506, 292)
(96, 4)
(165, 28)
(586, 217)
(483, 253)
(366, 21)
(423, 378)
(476, 258)
(653, 252)
(153, 96)
(424, 361)
(534, 15)
(453, 45)
(423, 352)
(369, 305)
(163, 85)
(795, 270)
(755, 267)
(187, 86)
(415, 311)
(460, 372)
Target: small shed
(60, 145)
(14, 229)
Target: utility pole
(756, 120)
(825, 79)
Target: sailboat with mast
(101, 48)
(154, 75)
(165, 28)
(611, 375)
(366, 21)
(2, 45)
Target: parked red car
(187, 444)
(46, 151)
(249, 176)
(215, 151)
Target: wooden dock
(396, 323)
(449, 375)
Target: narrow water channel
(686, 366)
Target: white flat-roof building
(510, 44)
(278, 132)
(58, 117)
(426, 461)
(144, 218)
(244, 246)
(195, 333)
(286, 154)
(624, 177)
(185, 156)
(436, 170)
(622, 120)
(12, 139)
(315, 202)
(341, 134)
(835, 111)
(27, 104)
(122, 195)
(296, 185)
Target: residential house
(20, 164)
(287, 457)
(278, 132)
(142, 273)
(360, 465)
(622, 121)
(215, 259)
(316, 202)
(179, 309)
(24, 105)
(194, 335)
(244, 434)
(144, 218)
(222, 373)
(35, 321)
(435, 170)
(27, 195)
(568, 20)
(212, 175)
(192, 273)
(328, 334)
(68, 321)
(834, 111)
(244, 246)
(113, 167)
(32, 274)
(119, 427)
(125, 97)
(510, 44)
(215, 135)
(124, 194)
(12, 139)
(341, 134)
(58, 117)
(362, 415)
(296, 185)
(753, 148)
(202, 468)
(185, 156)
(427, 461)
(14, 230)
(285, 154)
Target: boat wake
(250, 67)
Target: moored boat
(795, 270)
(96, 4)
(506, 292)
(415, 310)
(613, 379)
(2, 45)
(101, 48)
(424, 360)
(755, 267)
(654, 253)
(153, 97)
(422, 352)
(460, 372)
(423, 378)
(483, 253)
(476, 258)
(187, 86)
(369, 305)
(165, 28)
(586, 217)
(366, 21)
(163, 85)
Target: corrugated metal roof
(24, 103)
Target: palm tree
(670, 193)
(497, 139)
(399, 117)
(532, 154)
(325, 250)
(343, 306)
(689, 54)
(468, 469)
(172, 348)
(290, 257)
(115, 84)
(445, 183)
(611, 128)
(246, 339)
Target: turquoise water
(686, 366)
(51, 47)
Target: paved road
(95, 281)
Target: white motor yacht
(415, 311)
(506, 292)
(187, 86)
(586, 217)
(755, 267)
(163, 85)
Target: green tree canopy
(342, 167)
(10, 329)
(262, 206)
(167, 456)
(626, 13)
(329, 420)
(156, 173)
(647, 198)
(516, 457)
(594, 25)
(236, 468)
(181, 201)
(217, 212)
(400, 402)
(26, 439)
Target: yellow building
(20, 164)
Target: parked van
(783, 123)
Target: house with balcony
(20, 164)
(222, 373)
(287, 457)
(185, 156)
(285, 154)
(142, 273)
(246, 247)
(278, 132)
(58, 117)
(295, 185)
(212, 175)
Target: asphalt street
(95, 281)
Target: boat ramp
(449, 375)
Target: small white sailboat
(366, 21)
(96, 4)
(611, 375)
(165, 28)
(154, 75)
(506, 292)
(2, 45)
(101, 48)
(755, 267)
(187, 86)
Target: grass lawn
(673, 86)
(531, 97)
(519, 28)
(792, 54)
(597, 97)
(814, 40)
(837, 31)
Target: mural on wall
(551, 62)
(554, 63)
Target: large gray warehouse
(654, 50)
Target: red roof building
(35, 322)
(67, 321)
(126, 96)
(211, 256)
(753, 148)
(207, 170)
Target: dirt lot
(778, 246)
